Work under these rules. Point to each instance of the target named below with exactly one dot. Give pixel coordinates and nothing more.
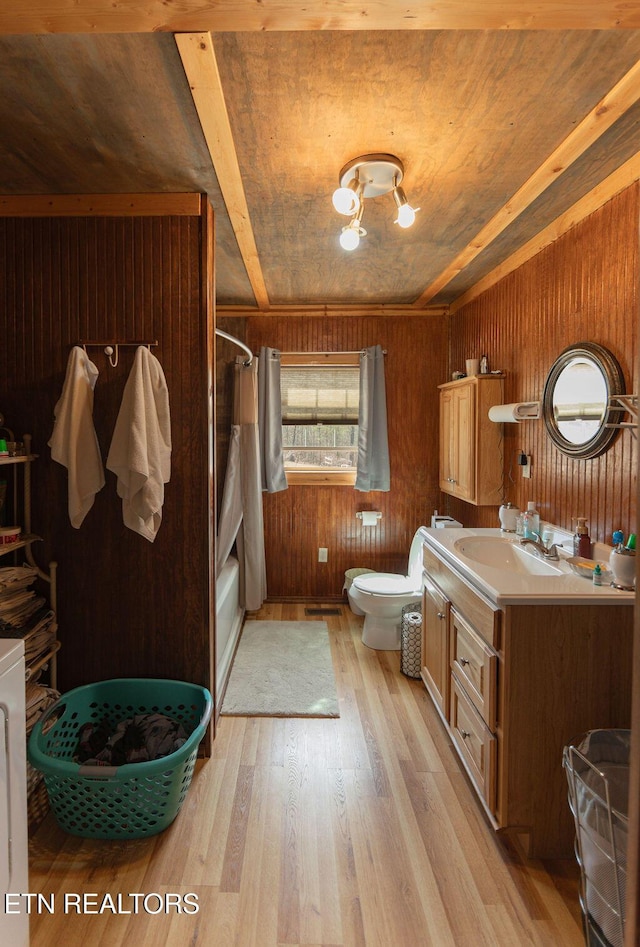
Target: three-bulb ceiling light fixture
(369, 176)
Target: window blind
(320, 395)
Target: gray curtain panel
(270, 421)
(373, 447)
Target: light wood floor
(355, 831)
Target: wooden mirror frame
(614, 380)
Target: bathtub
(229, 617)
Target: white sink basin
(500, 553)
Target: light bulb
(349, 238)
(406, 213)
(406, 216)
(346, 200)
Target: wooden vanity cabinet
(525, 680)
(435, 645)
(470, 455)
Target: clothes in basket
(136, 739)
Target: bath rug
(282, 669)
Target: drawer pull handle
(465, 734)
(441, 615)
(451, 480)
(463, 661)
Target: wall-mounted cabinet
(471, 459)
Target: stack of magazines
(24, 613)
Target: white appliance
(14, 871)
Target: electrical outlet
(322, 554)
(526, 468)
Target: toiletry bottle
(581, 539)
(631, 541)
(597, 575)
(484, 365)
(529, 525)
(532, 526)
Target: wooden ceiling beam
(609, 109)
(333, 309)
(199, 62)
(105, 16)
(620, 179)
(101, 205)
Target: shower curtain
(241, 509)
(373, 471)
(273, 476)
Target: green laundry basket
(118, 802)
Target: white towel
(73, 442)
(140, 452)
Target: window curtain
(270, 421)
(373, 447)
(241, 519)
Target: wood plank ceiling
(512, 120)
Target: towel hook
(109, 353)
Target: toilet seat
(391, 583)
(386, 584)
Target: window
(320, 401)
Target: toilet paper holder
(368, 515)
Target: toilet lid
(415, 556)
(386, 583)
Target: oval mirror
(576, 403)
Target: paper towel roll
(370, 518)
(519, 411)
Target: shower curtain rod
(232, 338)
(330, 354)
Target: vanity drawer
(484, 616)
(475, 743)
(476, 667)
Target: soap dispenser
(532, 527)
(581, 539)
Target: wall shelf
(628, 403)
(38, 628)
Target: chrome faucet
(550, 553)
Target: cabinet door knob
(463, 661)
(464, 734)
(441, 615)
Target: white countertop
(504, 587)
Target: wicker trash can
(349, 576)
(411, 640)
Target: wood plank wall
(126, 607)
(584, 287)
(303, 518)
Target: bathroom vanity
(521, 657)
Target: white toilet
(382, 595)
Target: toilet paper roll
(370, 518)
(519, 411)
